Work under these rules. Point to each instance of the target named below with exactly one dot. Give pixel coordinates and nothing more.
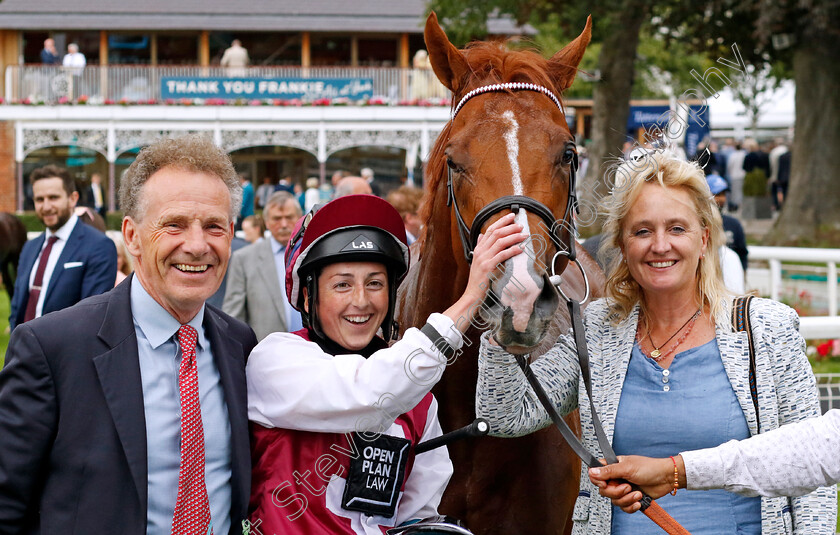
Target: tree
(804, 38)
(754, 90)
(812, 209)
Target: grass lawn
(831, 365)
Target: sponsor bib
(376, 476)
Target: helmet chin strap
(310, 318)
(390, 326)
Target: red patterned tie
(192, 508)
(35, 292)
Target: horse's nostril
(547, 303)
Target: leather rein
(469, 238)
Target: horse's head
(509, 139)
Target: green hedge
(113, 221)
(31, 221)
(755, 184)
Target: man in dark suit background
(127, 413)
(95, 195)
(74, 260)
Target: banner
(646, 116)
(698, 128)
(177, 87)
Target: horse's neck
(440, 281)
(442, 277)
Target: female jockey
(334, 410)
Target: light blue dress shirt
(293, 320)
(689, 406)
(160, 358)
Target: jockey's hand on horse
(498, 243)
(654, 476)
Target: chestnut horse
(12, 238)
(504, 140)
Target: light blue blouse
(689, 406)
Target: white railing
(828, 385)
(811, 326)
(51, 84)
(776, 255)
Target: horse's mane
(490, 63)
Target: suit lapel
(119, 375)
(27, 263)
(229, 357)
(268, 271)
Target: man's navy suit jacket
(73, 456)
(87, 266)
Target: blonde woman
(669, 373)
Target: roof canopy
(367, 16)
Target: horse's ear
(449, 64)
(564, 63)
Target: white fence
(770, 282)
(829, 387)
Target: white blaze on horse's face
(512, 142)
(522, 294)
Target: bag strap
(741, 322)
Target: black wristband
(439, 341)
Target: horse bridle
(469, 239)
(469, 233)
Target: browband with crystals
(515, 86)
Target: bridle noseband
(469, 233)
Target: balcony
(119, 84)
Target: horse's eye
(568, 155)
(452, 165)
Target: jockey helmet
(353, 228)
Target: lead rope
(650, 508)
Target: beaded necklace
(657, 354)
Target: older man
(352, 185)
(49, 55)
(256, 282)
(74, 60)
(127, 412)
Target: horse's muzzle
(500, 319)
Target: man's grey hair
(195, 153)
(280, 198)
(344, 187)
(351, 185)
